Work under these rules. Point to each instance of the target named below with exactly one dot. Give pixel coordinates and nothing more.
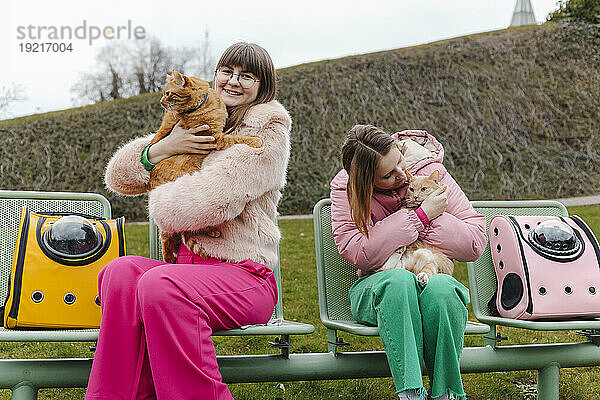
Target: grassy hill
(516, 110)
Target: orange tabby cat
(419, 258)
(191, 101)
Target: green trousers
(416, 324)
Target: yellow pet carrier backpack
(54, 276)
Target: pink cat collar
(422, 216)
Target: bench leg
(334, 341)
(331, 340)
(547, 382)
(24, 391)
(489, 339)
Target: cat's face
(182, 93)
(419, 187)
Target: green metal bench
(335, 276)
(482, 278)
(25, 377)
(483, 284)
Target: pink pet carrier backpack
(546, 267)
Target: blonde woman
(369, 224)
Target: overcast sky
(294, 32)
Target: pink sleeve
(396, 230)
(459, 232)
(125, 173)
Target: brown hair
(364, 146)
(253, 58)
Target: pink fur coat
(236, 190)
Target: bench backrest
(156, 253)
(334, 274)
(482, 278)
(11, 203)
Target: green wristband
(147, 164)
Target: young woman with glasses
(157, 318)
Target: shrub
(577, 11)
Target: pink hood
(459, 232)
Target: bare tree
(106, 80)
(10, 95)
(124, 69)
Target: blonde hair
(364, 146)
(253, 58)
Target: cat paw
(422, 278)
(254, 142)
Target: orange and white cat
(419, 258)
(192, 102)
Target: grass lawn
(300, 303)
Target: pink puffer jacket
(459, 232)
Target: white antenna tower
(523, 14)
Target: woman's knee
(120, 272)
(445, 290)
(154, 288)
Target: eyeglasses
(246, 80)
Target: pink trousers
(157, 319)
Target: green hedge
(516, 110)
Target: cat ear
(409, 176)
(169, 78)
(179, 78)
(435, 176)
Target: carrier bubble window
(72, 236)
(555, 237)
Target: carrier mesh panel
(483, 268)
(339, 273)
(10, 216)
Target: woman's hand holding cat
(435, 204)
(182, 141)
